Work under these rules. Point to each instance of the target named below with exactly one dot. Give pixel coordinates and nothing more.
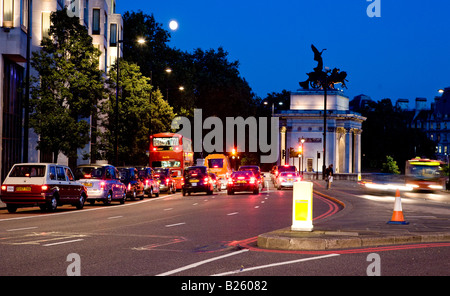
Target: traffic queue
(49, 185)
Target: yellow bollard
(302, 206)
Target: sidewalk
(362, 222)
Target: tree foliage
(386, 132)
(142, 111)
(67, 88)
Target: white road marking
(25, 228)
(275, 264)
(65, 242)
(88, 210)
(114, 217)
(201, 263)
(176, 224)
(234, 213)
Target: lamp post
(116, 111)
(325, 88)
(303, 154)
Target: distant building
(305, 120)
(103, 24)
(433, 120)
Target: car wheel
(157, 194)
(256, 190)
(53, 204)
(11, 208)
(124, 198)
(108, 199)
(230, 192)
(183, 192)
(81, 201)
(150, 193)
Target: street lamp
(273, 105)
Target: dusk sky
(404, 53)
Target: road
(196, 235)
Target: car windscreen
(28, 171)
(125, 174)
(143, 174)
(215, 163)
(89, 173)
(242, 174)
(194, 171)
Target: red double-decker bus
(173, 151)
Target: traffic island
(321, 240)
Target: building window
(8, 13)
(45, 30)
(86, 13)
(105, 28)
(113, 35)
(12, 116)
(96, 21)
(24, 14)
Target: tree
(67, 88)
(386, 132)
(390, 166)
(142, 111)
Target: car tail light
(167, 181)
(44, 187)
(3, 187)
(182, 181)
(230, 181)
(241, 178)
(87, 176)
(252, 180)
(102, 185)
(206, 180)
(129, 186)
(147, 182)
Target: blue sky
(405, 53)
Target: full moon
(173, 25)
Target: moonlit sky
(405, 53)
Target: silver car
(287, 179)
(102, 182)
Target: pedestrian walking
(329, 175)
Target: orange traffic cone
(397, 216)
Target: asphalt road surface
(198, 235)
